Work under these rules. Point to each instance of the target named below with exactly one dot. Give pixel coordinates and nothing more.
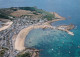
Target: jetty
(66, 28)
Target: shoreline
(20, 38)
(57, 18)
(7, 23)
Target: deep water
(53, 43)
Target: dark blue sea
(53, 43)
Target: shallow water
(55, 43)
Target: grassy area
(4, 13)
(2, 51)
(27, 8)
(46, 14)
(23, 55)
(4, 16)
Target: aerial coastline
(17, 24)
(20, 39)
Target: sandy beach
(7, 24)
(19, 41)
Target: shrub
(24, 55)
(2, 52)
(4, 16)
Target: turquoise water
(53, 43)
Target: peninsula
(17, 22)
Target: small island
(17, 22)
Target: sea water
(55, 43)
